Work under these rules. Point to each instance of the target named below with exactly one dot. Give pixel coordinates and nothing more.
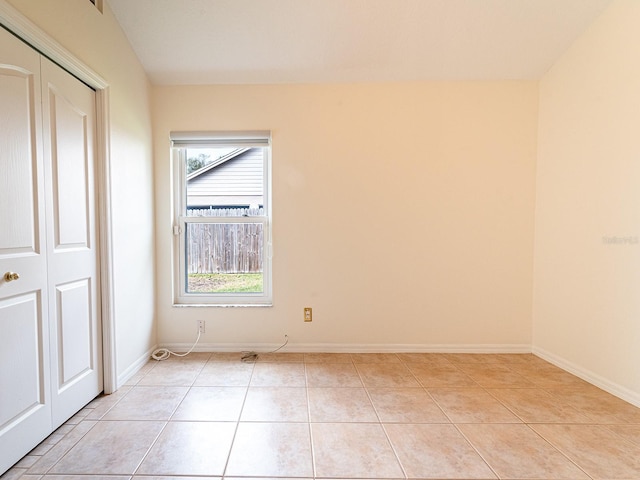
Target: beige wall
(402, 213)
(586, 303)
(97, 40)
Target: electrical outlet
(201, 324)
(308, 317)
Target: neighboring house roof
(234, 179)
(215, 163)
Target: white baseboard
(351, 348)
(589, 376)
(135, 367)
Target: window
(222, 226)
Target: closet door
(74, 317)
(25, 398)
(50, 327)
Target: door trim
(22, 27)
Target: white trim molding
(589, 376)
(23, 28)
(350, 348)
(135, 367)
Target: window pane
(223, 178)
(224, 257)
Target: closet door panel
(25, 398)
(75, 326)
(19, 161)
(70, 165)
(24, 370)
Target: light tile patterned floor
(364, 416)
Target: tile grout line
(601, 421)
(384, 428)
(235, 432)
(66, 449)
(466, 439)
(559, 450)
(164, 427)
(155, 440)
(314, 472)
(380, 423)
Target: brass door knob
(11, 276)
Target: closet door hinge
(177, 230)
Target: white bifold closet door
(50, 328)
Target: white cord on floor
(251, 357)
(164, 353)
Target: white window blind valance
(256, 138)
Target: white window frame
(180, 141)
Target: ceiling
(327, 41)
